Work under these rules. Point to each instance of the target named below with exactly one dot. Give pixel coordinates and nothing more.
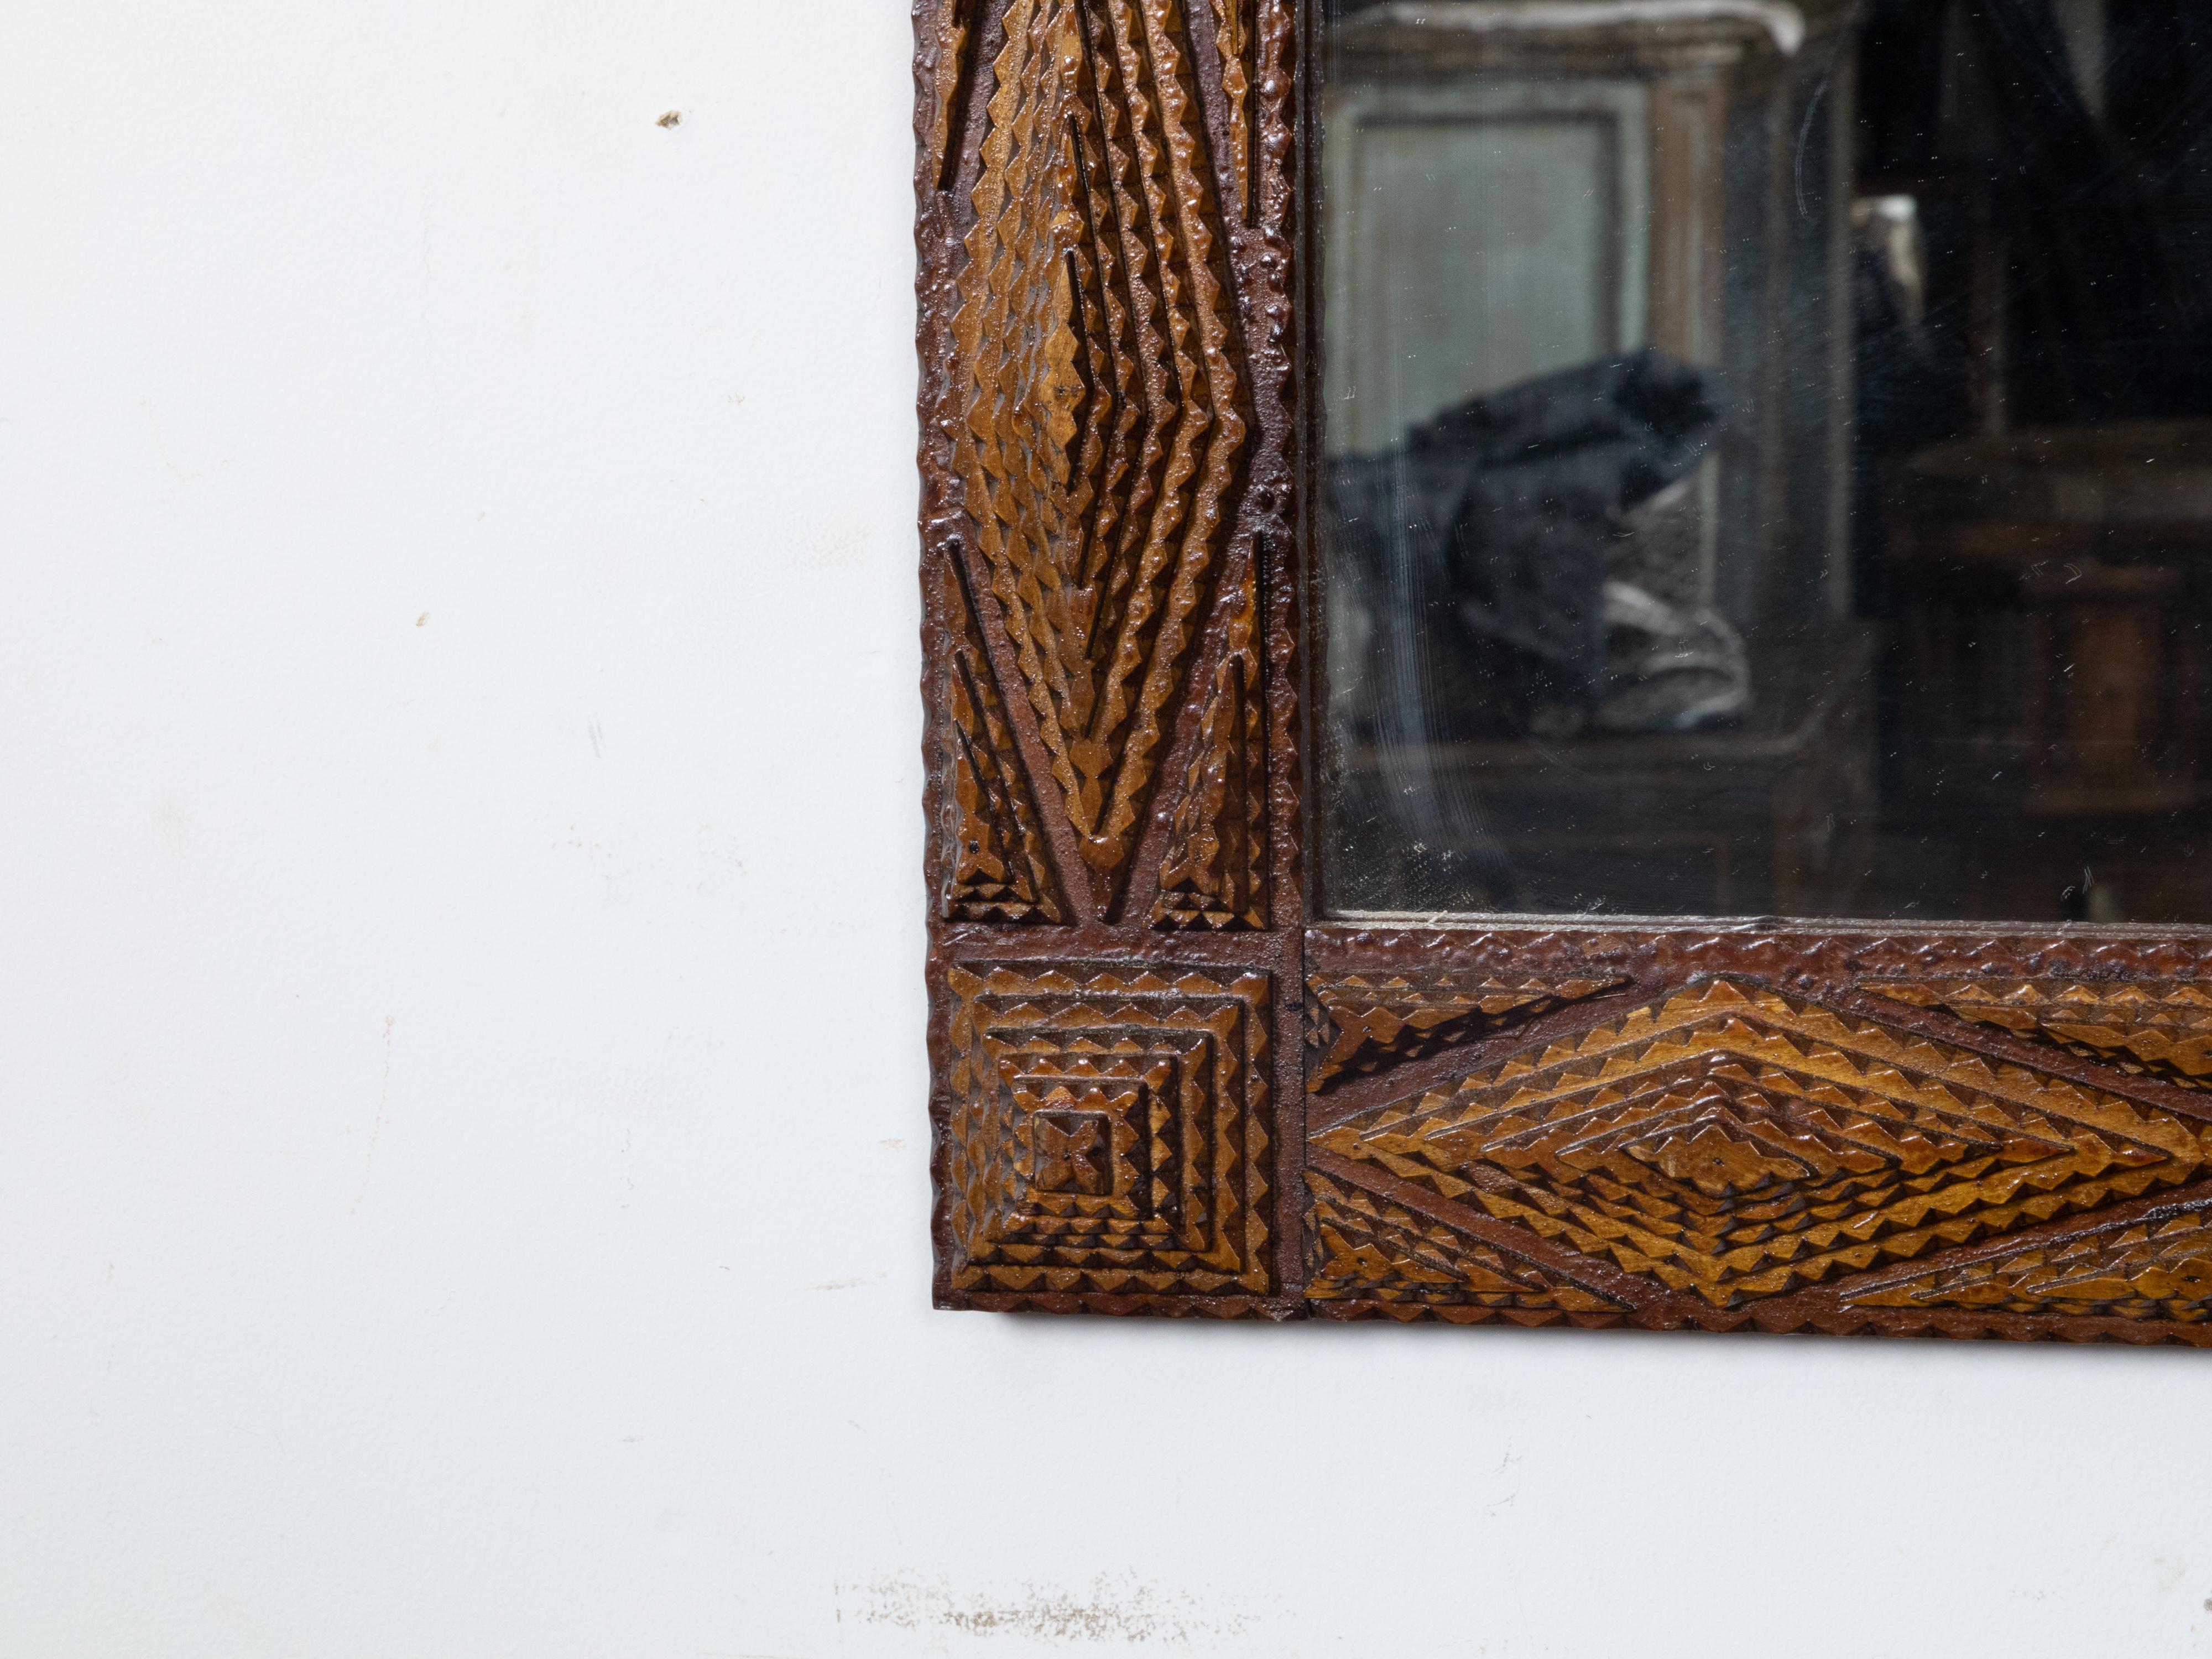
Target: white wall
(461, 1092)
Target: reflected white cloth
(1670, 668)
(1783, 23)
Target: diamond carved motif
(1735, 1144)
(1215, 873)
(1109, 1132)
(1099, 415)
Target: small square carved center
(1072, 1154)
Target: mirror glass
(1767, 458)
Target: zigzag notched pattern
(1735, 1145)
(1361, 1247)
(2164, 1031)
(1234, 38)
(1108, 1132)
(1215, 874)
(2153, 1270)
(1100, 411)
(1368, 1021)
(996, 866)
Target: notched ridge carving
(1215, 873)
(1098, 414)
(1734, 1144)
(2159, 1031)
(1361, 1247)
(1365, 1022)
(996, 866)
(1234, 38)
(2156, 1270)
(948, 85)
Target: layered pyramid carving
(1735, 1144)
(1109, 1132)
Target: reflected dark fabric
(1497, 514)
(1476, 546)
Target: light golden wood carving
(1365, 1247)
(1215, 874)
(2165, 1030)
(1109, 1132)
(996, 866)
(1113, 471)
(1734, 1144)
(2156, 1270)
(955, 45)
(1099, 413)
(1233, 41)
(1368, 1021)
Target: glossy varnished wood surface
(1160, 1086)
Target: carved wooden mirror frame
(1160, 1085)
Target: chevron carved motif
(1365, 1022)
(2163, 1030)
(1215, 875)
(995, 864)
(1098, 415)
(1366, 1248)
(1731, 1143)
(2153, 1270)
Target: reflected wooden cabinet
(1770, 816)
(2054, 593)
(1511, 191)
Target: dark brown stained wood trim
(1132, 1005)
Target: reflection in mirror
(1767, 457)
